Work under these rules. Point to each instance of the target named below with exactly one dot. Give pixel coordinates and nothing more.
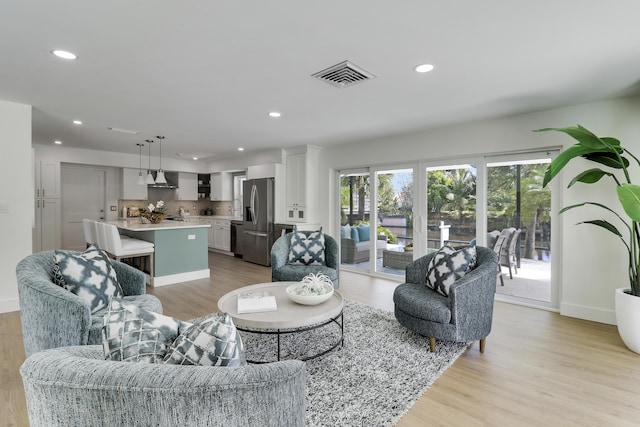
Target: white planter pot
(628, 319)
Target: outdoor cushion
(345, 231)
(354, 234)
(364, 233)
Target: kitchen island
(180, 248)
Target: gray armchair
(283, 272)
(74, 386)
(466, 315)
(54, 317)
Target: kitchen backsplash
(173, 206)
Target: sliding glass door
(520, 209)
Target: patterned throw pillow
(448, 265)
(212, 342)
(307, 248)
(88, 275)
(133, 334)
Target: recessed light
(64, 54)
(77, 122)
(195, 158)
(240, 149)
(423, 68)
(57, 142)
(274, 114)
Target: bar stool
(119, 248)
(90, 228)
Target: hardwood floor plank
(539, 368)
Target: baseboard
(9, 304)
(181, 277)
(588, 313)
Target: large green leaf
(604, 224)
(562, 159)
(615, 143)
(589, 176)
(600, 205)
(584, 136)
(629, 195)
(608, 159)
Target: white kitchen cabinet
(47, 233)
(301, 172)
(210, 230)
(187, 186)
(221, 186)
(131, 190)
(47, 179)
(222, 234)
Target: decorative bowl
(309, 299)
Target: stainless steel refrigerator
(257, 237)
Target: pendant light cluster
(160, 178)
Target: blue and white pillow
(133, 334)
(448, 265)
(212, 342)
(89, 275)
(307, 248)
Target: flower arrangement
(155, 214)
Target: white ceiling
(205, 74)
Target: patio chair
(497, 248)
(512, 260)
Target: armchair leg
(432, 344)
(482, 343)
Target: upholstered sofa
(355, 242)
(54, 317)
(73, 386)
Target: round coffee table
(289, 318)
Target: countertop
(136, 225)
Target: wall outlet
(192, 237)
(114, 208)
(4, 207)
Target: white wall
(593, 261)
(16, 175)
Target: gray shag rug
(374, 379)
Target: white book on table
(256, 302)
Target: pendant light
(140, 176)
(160, 179)
(149, 179)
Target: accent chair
(465, 315)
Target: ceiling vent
(343, 75)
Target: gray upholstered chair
(465, 315)
(283, 272)
(54, 317)
(74, 386)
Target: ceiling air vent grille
(343, 74)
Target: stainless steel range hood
(171, 177)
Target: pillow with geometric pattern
(307, 248)
(133, 334)
(448, 265)
(89, 275)
(212, 342)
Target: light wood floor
(538, 369)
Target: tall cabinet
(46, 234)
(301, 177)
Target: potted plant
(607, 151)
